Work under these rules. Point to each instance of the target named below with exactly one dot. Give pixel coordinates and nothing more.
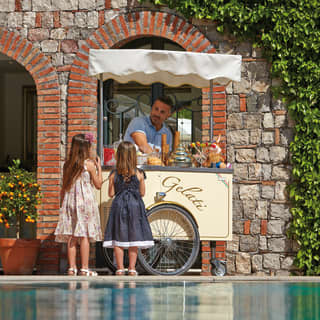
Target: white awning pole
(101, 120)
(211, 112)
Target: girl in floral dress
(79, 220)
(128, 226)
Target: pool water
(160, 300)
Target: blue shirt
(144, 125)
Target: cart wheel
(176, 239)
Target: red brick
(279, 112)
(179, 30)
(100, 41)
(243, 105)
(45, 237)
(212, 50)
(159, 22)
(220, 120)
(204, 46)
(198, 41)
(205, 261)
(190, 38)
(19, 49)
(64, 68)
(18, 6)
(3, 38)
(106, 37)
(219, 126)
(276, 136)
(101, 18)
(137, 24)
(15, 42)
(246, 227)
(56, 19)
(38, 20)
(145, 21)
(268, 183)
(263, 229)
(8, 42)
(220, 255)
(116, 26)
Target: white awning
(173, 68)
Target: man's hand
(140, 140)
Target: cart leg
(205, 258)
(211, 250)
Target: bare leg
(84, 252)
(118, 251)
(72, 252)
(133, 252)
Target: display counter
(205, 193)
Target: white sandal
(120, 272)
(132, 272)
(88, 273)
(72, 272)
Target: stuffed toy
(214, 157)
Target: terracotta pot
(18, 256)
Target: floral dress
(79, 214)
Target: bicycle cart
(184, 205)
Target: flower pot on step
(18, 256)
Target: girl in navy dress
(128, 226)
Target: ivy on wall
(289, 33)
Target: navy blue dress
(127, 225)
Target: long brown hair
(126, 157)
(73, 167)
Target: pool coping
(65, 278)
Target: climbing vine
(289, 33)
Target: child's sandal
(72, 271)
(88, 273)
(132, 272)
(120, 272)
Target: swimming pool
(123, 300)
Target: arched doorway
(18, 115)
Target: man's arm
(140, 140)
(136, 133)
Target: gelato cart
(185, 205)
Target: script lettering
(174, 184)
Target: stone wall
(255, 128)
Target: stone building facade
(52, 39)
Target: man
(146, 131)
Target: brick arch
(48, 93)
(82, 90)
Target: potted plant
(19, 197)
